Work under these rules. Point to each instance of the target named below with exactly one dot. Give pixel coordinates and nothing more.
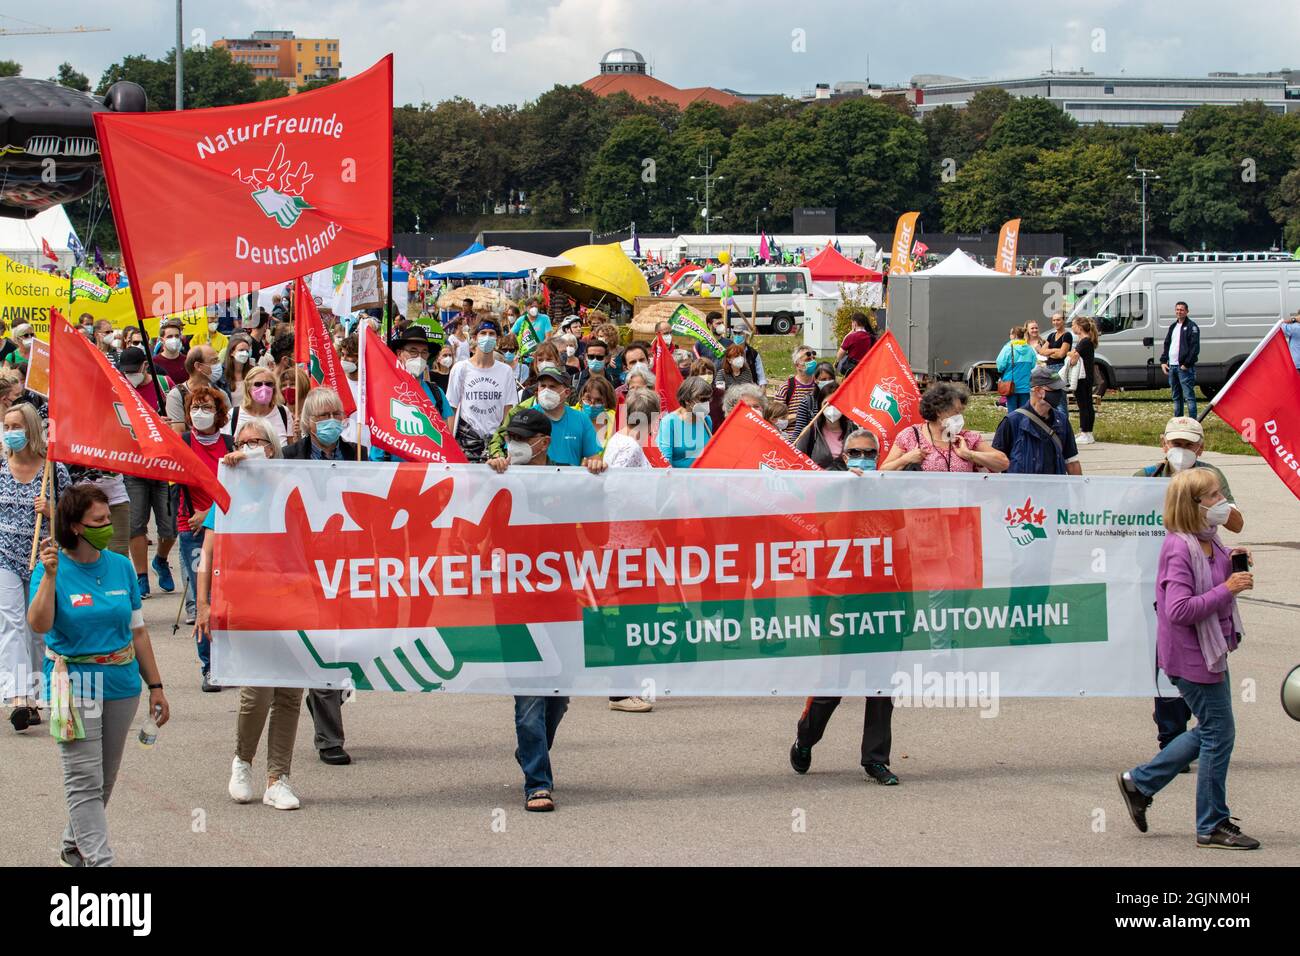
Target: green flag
(437, 334)
(686, 321)
(527, 339)
(87, 285)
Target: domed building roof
(622, 55)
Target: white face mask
(1218, 513)
(533, 312)
(416, 366)
(172, 345)
(570, 350)
(825, 384)
(549, 399)
(135, 378)
(521, 453)
(255, 451)
(952, 426)
(445, 361)
(833, 414)
(738, 363)
(701, 410)
(202, 419)
(348, 367)
(241, 358)
(1180, 459)
(115, 341)
(212, 326)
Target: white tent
(700, 245)
(959, 264)
(20, 239)
(496, 261)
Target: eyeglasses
(252, 443)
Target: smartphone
(1240, 562)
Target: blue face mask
(593, 411)
(328, 431)
(487, 344)
(508, 356)
(809, 367)
(738, 339)
(16, 440)
(863, 464)
(596, 365)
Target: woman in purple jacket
(1197, 625)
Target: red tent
(830, 266)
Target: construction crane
(40, 29)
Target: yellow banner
(28, 295)
(1008, 240)
(904, 235)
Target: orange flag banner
(1008, 240)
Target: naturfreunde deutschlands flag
(313, 349)
(686, 321)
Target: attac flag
(99, 421)
(396, 409)
(880, 393)
(1262, 403)
(668, 377)
(900, 259)
(748, 440)
(313, 349)
(262, 193)
(86, 285)
(688, 322)
(1008, 240)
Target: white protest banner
(551, 580)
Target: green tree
(1032, 121)
(10, 68)
(1080, 190)
(990, 189)
(558, 136)
(1285, 205)
(73, 80)
(984, 110)
(317, 84)
(269, 88)
(212, 78)
(622, 182)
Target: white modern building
(1121, 100)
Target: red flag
(262, 192)
(98, 420)
(880, 393)
(1262, 403)
(48, 252)
(668, 377)
(313, 349)
(394, 405)
(747, 440)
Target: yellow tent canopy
(598, 272)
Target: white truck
(1233, 303)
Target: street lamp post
(706, 163)
(1143, 174)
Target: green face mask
(98, 538)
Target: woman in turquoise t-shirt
(86, 601)
(684, 433)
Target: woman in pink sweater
(1197, 625)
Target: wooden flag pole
(809, 425)
(36, 536)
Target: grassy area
(1130, 418)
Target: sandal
(539, 801)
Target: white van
(780, 310)
(1233, 303)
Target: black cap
(131, 359)
(528, 423)
(412, 333)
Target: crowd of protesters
(583, 395)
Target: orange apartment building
(279, 55)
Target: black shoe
(881, 773)
(1187, 769)
(800, 757)
(335, 756)
(21, 718)
(1136, 801)
(70, 858)
(1228, 836)
(208, 687)
(33, 716)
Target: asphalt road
(704, 780)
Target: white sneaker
(632, 705)
(241, 781)
(1084, 438)
(281, 796)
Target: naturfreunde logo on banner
(922, 688)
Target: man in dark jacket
(1178, 360)
(321, 421)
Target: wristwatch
(155, 687)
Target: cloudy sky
(510, 51)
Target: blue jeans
(1182, 382)
(1017, 400)
(1211, 740)
(536, 720)
(191, 546)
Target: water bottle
(149, 729)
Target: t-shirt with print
(18, 515)
(94, 604)
(482, 395)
